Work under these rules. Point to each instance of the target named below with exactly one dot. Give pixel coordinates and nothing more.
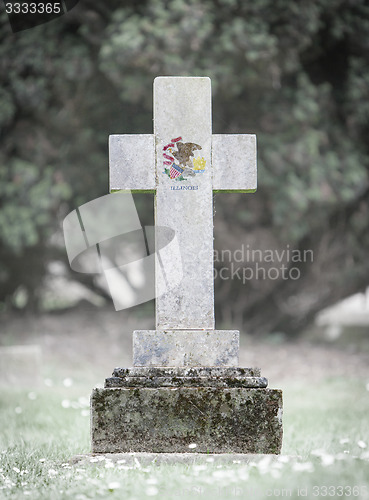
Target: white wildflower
(361, 444)
(275, 473)
(327, 460)
(340, 456)
(199, 467)
(67, 382)
(303, 467)
(264, 464)
(114, 485)
(243, 474)
(83, 401)
(229, 474)
(318, 453)
(152, 491)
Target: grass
(325, 426)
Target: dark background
(294, 73)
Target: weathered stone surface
(182, 108)
(168, 420)
(234, 162)
(138, 153)
(255, 382)
(186, 377)
(181, 371)
(185, 348)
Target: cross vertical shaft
(182, 109)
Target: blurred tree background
(294, 73)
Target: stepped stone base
(161, 410)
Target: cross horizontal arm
(132, 163)
(234, 162)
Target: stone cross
(185, 391)
(183, 163)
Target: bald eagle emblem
(179, 159)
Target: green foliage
(53, 146)
(294, 73)
(267, 64)
(314, 167)
(38, 194)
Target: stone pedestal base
(185, 347)
(221, 410)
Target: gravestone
(185, 386)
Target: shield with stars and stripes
(175, 171)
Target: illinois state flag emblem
(179, 159)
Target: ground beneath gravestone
(325, 444)
(86, 343)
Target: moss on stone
(218, 420)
